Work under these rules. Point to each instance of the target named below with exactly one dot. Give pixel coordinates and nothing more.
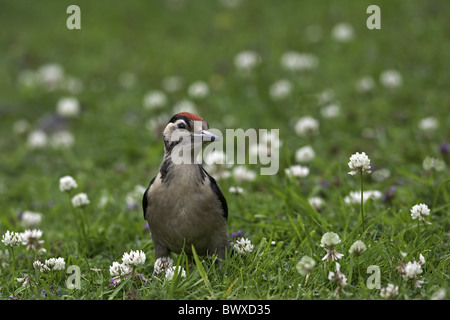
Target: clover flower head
(357, 248)
(297, 171)
(338, 276)
(134, 258)
(12, 239)
(431, 163)
(420, 211)
(30, 219)
(67, 183)
(161, 264)
(306, 126)
(30, 238)
(243, 246)
(119, 269)
(80, 200)
(236, 190)
(411, 270)
(171, 271)
(305, 265)
(55, 264)
(305, 154)
(329, 241)
(154, 99)
(359, 162)
(39, 266)
(68, 107)
(198, 90)
(389, 292)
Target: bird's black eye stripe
(182, 125)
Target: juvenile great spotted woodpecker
(183, 204)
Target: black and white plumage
(183, 204)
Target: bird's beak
(207, 136)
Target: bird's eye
(182, 125)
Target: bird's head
(187, 128)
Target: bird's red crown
(189, 116)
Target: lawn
(91, 103)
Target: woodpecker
(183, 204)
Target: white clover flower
(330, 111)
(365, 84)
(236, 190)
(305, 265)
(62, 139)
(355, 196)
(55, 264)
(359, 162)
(161, 264)
(343, 32)
(198, 90)
(431, 163)
(37, 139)
(305, 154)
(26, 280)
(51, 75)
(295, 61)
(391, 79)
(12, 239)
(30, 219)
(439, 295)
(119, 269)
(420, 211)
(338, 276)
(80, 200)
(316, 202)
(134, 258)
(30, 238)
(389, 292)
(243, 246)
(280, 89)
(171, 271)
(357, 248)
(39, 266)
(329, 241)
(68, 107)
(241, 173)
(154, 99)
(297, 171)
(306, 126)
(412, 269)
(246, 61)
(428, 124)
(67, 183)
(421, 260)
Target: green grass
(114, 150)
